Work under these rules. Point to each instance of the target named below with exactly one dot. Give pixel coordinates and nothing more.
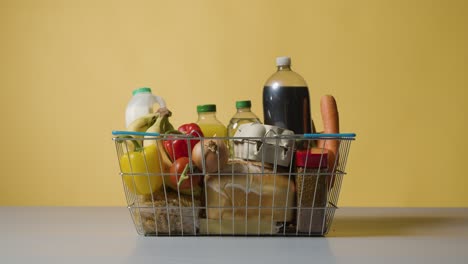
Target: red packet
(316, 158)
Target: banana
(161, 126)
(152, 129)
(142, 123)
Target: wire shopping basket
(283, 185)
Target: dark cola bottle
(286, 101)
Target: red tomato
(180, 169)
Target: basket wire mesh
(277, 200)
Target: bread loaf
(246, 190)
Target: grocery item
(314, 158)
(331, 125)
(249, 191)
(257, 142)
(141, 104)
(142, 123)
(243, 116)
(153, 215)
(209, 124)
(177, 147)
(143, 168)
(161, 126)
(311, 186)
(181, 179)
(210, 155)
(286, 102)
(193, 130)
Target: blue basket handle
(134, 133)
(343, 135)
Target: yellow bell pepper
(144, 168)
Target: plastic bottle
(141, 104)
(286, 100)
(209, 124)
(243, 116)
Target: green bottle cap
(243, 104)
(206, 108)
(141, 90)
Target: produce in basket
(331, 125)
(242, 184)
(141, 124)
(141, 168)
(179, 147)
(210, 155)
(180, 178)
(161, 126)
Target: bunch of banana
(161, 126)
(157, 122)
(140, 124)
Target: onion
(212, 149)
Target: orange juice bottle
(209, 124)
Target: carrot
(331, 125)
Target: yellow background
(398, 70)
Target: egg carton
(264, 143)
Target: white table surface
(107, 235)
